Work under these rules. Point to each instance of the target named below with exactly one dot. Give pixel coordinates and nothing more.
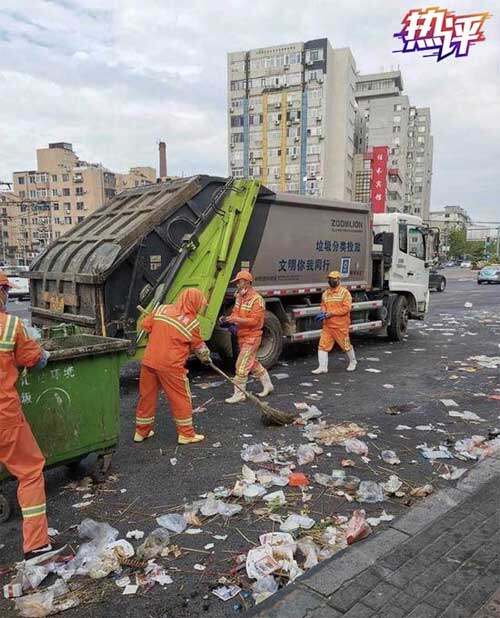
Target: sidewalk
(442, 558)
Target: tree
(457, 242)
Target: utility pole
(498, 241)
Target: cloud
(115, 80)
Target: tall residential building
(60, 193)
(291, 114)
(386, 118)
(446, 220)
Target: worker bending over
(335, 316)
(19, 451)
(174, 332)
(248, 317)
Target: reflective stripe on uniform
(8, 337)
(176, 324)
(33, 511)
(144, 421)
(183, 422)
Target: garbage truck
(149, 243)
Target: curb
(307, 595)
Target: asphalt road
(422, 370)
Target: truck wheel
(272, 341)
(5, 509)
(399, 319)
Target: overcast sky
(114, 81)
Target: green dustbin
(73, 405)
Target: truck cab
(406, 247)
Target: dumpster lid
(83, 344)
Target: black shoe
(43, 554)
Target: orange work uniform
(248, 313)
(337, 301)
(174, 332)
(19, 451)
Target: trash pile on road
(274, 484)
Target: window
(396, 129)
(421, 129)
(66, 191)
(57, 220)
(421, 139)
(236, 121)
(54, 177)
(65, 177)
(55, 206)
(54, 193)
(397, 119)
(32, 193)
(397, 108)
(416, 242)
(79, 206)
(32, 180)
(237, 138)
(67, 205)
(80, 219)
(396, 141)
(20, 180)
(78, 191)
(24, 221)
(68, 220)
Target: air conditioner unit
(232, 146)
(277, 122)
(312, 175)
(290, 103)
(309, 63)
(288, 123)
(319, 177)
(286, 67)
(296, 121)
(288, 176)
(296, 139)
(277, 105)
(251, 107)
(231, 110)
(319, 118)
(321, 137)
(276, 176)
(320, 80)
(294, 156)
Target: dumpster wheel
(101, 467)
(5, 509)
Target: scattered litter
(154, 544)
(225, 593)
(449, 403)
(220, 537)
(260, 562)
(372, 370)
(276, 498)
(424, 427)
(122, 582)
(256, 453)
(441, 452)
(466, 415)
(357, 528)
(263, 588)
(12, 591)
(369, 491)
(135, 534)
(333, 434)
(294, 522)
(199, 567)
(217, 444)
(173, 522)
(297, 479)
(308, 384)
(452, 473)
(173, 461)
(347, 463)
(421, 492)
(375, 521)
(52, 532)
(193, 531)
(131, 589)
(280, 376)
(402, 427)
(388, 386)
(305, 454)
(372, 359)
(390, 457)
(393, 485)
(353, 445)
(82, 505)
(467, 305)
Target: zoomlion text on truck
(149, 243)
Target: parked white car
(21, 285)
(465, 264)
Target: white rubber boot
(351, 357)
(267, 385)
(322, 363)
(237, 396)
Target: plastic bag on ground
(108, 560)
(357, 528)
(276, 498)
(264, 588)
(154, 544)
(260, 562)
(31, 576)
(353, 445)
(255, 453)
(100, 533)
(295, 521)
(172, 521)
(253, 491)
(393, 485)
(305, 454)
(369, 491)
(282, 544)
(267, 478)
(46, 602)
(390, 458)
(310, 551)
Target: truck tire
(399, 319)
(272, 341)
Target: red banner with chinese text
(379, 178)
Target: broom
(268, 414)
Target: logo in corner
(441, 32)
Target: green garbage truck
(149, 243)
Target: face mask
(333, 283)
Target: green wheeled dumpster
(73, 405)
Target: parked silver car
(489, 274)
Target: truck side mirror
(387, 248)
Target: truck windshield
(411, 240)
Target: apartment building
(60, 193)
(448, 219)
(363, 174)
(291, 115)
(386, 118)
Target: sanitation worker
(335, 316)
(174, 332)
(248, 317)
(19, 451)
